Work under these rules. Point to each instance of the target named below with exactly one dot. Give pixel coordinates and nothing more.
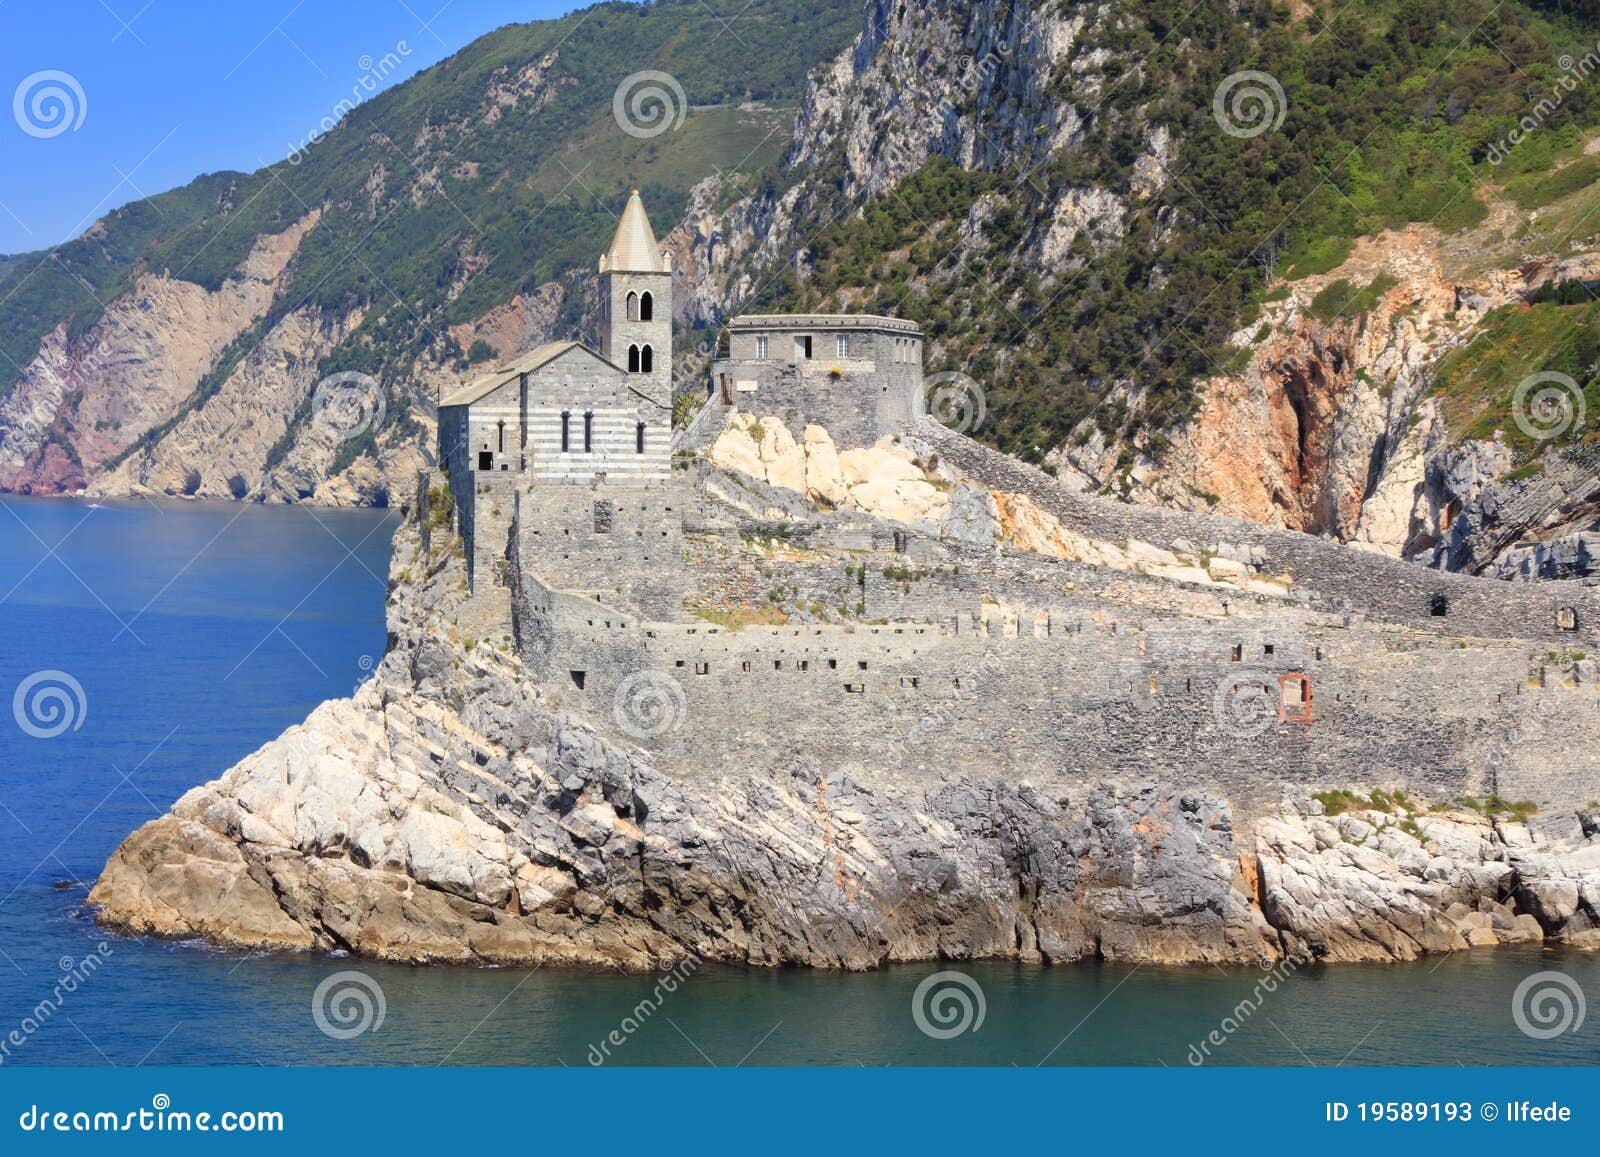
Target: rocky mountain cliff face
(1069, 173)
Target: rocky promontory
(449, 812)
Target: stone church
(580, 440)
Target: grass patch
(738, 617)
(1536, 190)
(1476, 385)
(1320, 256)
(1341, 299)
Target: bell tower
(636, 304)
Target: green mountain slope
(1390, 113)
(443, 196)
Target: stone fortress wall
(927, 654)
(1003, 662)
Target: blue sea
(164, 641)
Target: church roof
(634, 249)
(480, 388)
(528, 363)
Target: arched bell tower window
(633, 359)
(633, 307)
(647, 360)
(647, 308)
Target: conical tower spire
(634, 249)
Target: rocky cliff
(450, 812)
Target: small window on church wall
(841, 345)
(647, 360)
(638, 438)
(802, 349)
(566, 431)
(485, 460)
(633, 307)
(647, 308)
(502, 426)
(633, 359)
(588, 433)
(761, 348)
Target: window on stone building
(855, 688)
(647, 308)
(702, 668)
(633, 307)
(566, 431)
(1567, 618)
(588, 432)
(802, 349)
(1238, 652)
(900, 542)
(841, 345)
(1438, 606)
(486, 460)
(647, 360)
(1268, 649)
(638, 438)
(833, 664)
(578, 678)
(633, 359)
(745, 666)
(861, 664)
(761, 348)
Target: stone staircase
(703, 427)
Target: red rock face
(53, 471)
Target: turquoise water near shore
(197, 632)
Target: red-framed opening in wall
(1294, 697)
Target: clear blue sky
(175, 88)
